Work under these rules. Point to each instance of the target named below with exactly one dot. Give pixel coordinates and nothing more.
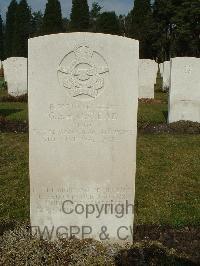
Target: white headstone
(161, 66)
(1, 65)
(15, 74)
(166, 75)
(83, 93)
(4, 67)
(184, 100)
(148, 70)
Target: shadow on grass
(7, 112)
(165, 114)
(6, 225)
(152, 255)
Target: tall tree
(128, 24)
(177, 28)
(1, 40)
(10, 28)
(187, 28)
(52, 22)
(94, 14)
(142, 26)
(108, 23)
(122, 25)
(163, 12)
(80, 16)
(22, 29)
(66, 25)
(36, 24)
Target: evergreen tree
(66, 25)
(177, 28)
(80, 16)
(52, 22)
(36, 24)
(128, 24)
(122, 25)
(1, 40)
(22, 29)
(142, 26)
(163, 12)
(94, 14)
(187, 28)
(10, 28)
(108, 23)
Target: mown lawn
(152, 113)
(14, 111)
(14, 188)
(167, 182)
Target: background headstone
(1, 72)
(4, 67)
(166, 75)
(184, 99)
(148, 70)
(83, 94)
(15, 74)
(161, 66)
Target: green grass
(2, 93)
(2, 87)
(167, 189)
(156, 112)
(153, 113)
(14, 188)
(163, 96)
(14, 111)
(168, 177)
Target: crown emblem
(83, 72)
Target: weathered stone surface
(166, 75)
(147, 77)
(15, 74)
(184, 100)
(83, 94)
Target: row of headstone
(166, 75)
(1, 71)
(161, 68)
(148, 70)
(16, 75)
(83, 101)
(180, 77)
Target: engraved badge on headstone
(188, 69)
(83, 72)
